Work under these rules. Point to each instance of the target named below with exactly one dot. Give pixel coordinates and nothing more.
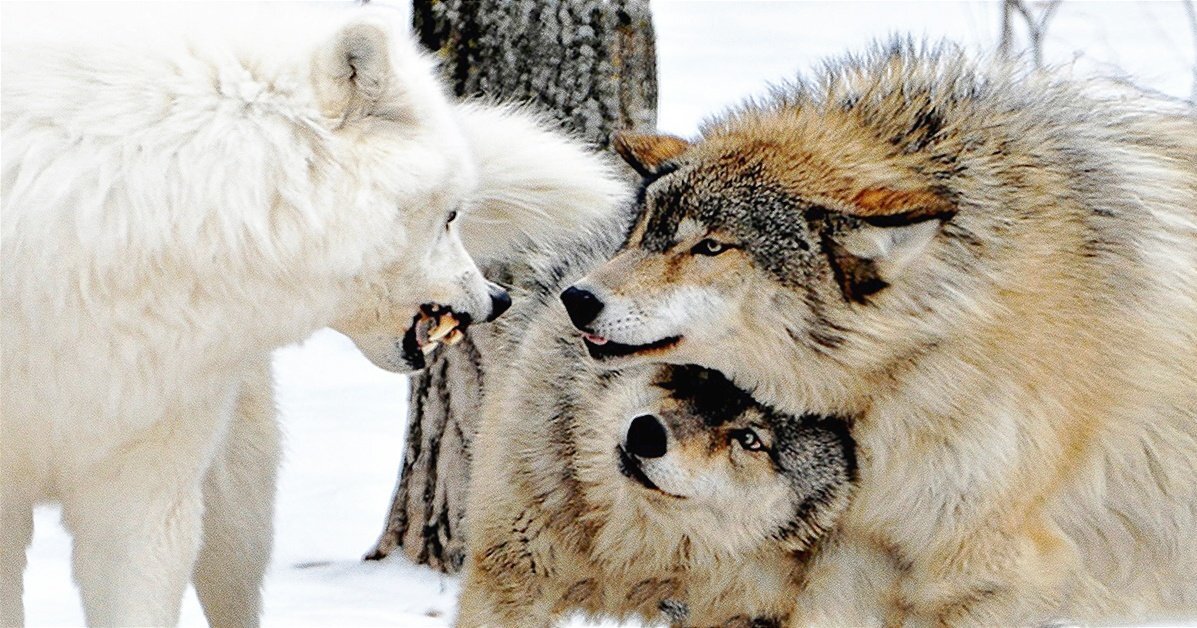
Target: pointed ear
(894, 247)
(868, 258)
(646, 153)
(354, 73)
(894, 229)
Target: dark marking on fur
(660, 228)
(960, 606)
(818, 456)
(858, 278)
(649, 593)
(675, 611)
(825, 334)
(893, 554)
(923, 130)
(579, 592)
(708, 392)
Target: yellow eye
(709, 248)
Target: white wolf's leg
(16, 531)
(136, 521)
(239, 510)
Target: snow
(344, 426)
(344, 418)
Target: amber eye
(709, 247)
(748, 440)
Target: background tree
(592, 65)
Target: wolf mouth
(631, 469)
(431, 327)
(608, 349)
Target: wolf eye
(452, 217)
(709, 247)
(748, 440)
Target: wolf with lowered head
(994, 272)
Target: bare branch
(1191, 10)
(1036, 26)
(1007, 41)
(1049, 10)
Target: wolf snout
(500, 301)
(647, 437)
(583, 307)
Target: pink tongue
(598, 340)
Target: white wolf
(173, 209)
(534, 188)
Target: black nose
(499, 302)
(646, 437)
(582, 306)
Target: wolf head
(726, 471)
(534, 185)
(807, 243)
(394, 132)
(746, 245)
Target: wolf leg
(16, 531)
(136, 521)
(239, 510)
(484, 603)
(850, 583)
(1012, 576)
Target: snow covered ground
(344, 418)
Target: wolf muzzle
(500, 301)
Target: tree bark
(592, 65)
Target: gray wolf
(658, 493)
(535, 187)
(993, 273)
(173, 209)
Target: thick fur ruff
(558, 524)
(173, 209)
(995, 272)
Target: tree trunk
(592, 65)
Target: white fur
(537, 185)
(522, 194)
(172, 210)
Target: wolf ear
(646, 153)
(868, 258)
(884, 206)
(895, 229)
(355, 76)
